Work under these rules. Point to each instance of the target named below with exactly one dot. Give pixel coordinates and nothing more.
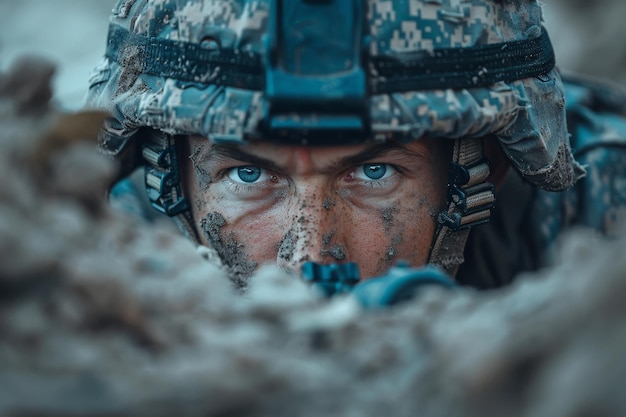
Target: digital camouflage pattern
(597, 121)
(526, 116)
(529, 222)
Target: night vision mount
(316, 85)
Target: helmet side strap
(163, 181)
(470, 200)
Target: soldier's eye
(248, 174)
(375, 172)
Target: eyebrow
(373, 152)
(228, 151)
(232, 151)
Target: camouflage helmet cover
(527, 116)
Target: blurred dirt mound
(103, 316)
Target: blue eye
(248, 174)
(375, 171)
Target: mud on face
(232, 253)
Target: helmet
(287, 71)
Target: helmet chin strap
(163, 181)
(470, 200)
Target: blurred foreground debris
(102, 316)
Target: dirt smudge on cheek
(389, 224)
(394, 231)
(231, 252)
(387, 215)
(287, 246)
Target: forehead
(327, 158)
(424, 147)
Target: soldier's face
(371, 204)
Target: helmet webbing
(470, 200)
(163, 181)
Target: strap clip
(471, 198)
(162, 177)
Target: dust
(230, 251)
(124, 8)
(387, 215)
(132, 60)
(338, 252)
(328, 203)
(327, 237)
(203, 177)
(391, 252)
(287, 246)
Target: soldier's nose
(314, 235)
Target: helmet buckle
(471, 197)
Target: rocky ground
(104, 316)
